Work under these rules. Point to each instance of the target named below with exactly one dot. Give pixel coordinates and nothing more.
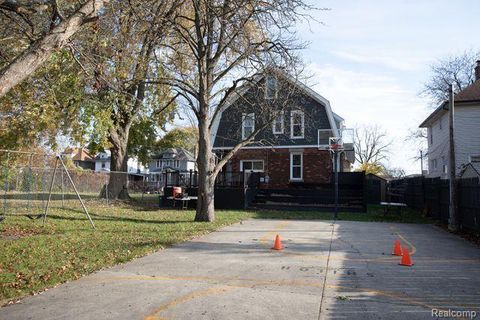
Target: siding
(467, 139)
(229, 131)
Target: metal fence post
(7, 173)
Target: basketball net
(335, 145)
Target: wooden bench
(388, 205)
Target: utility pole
(452, 223)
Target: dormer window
(297, 124)
(271, 87)
(278, 124)
(248, 125)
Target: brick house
(290, 151)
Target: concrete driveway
(327, 271)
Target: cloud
(382, 60)
(364, 98)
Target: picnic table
(183, 199)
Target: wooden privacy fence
(431, 195)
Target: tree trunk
(206, 180)
(118, 182)
(33, 57)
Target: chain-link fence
(27, 181)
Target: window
(248, 124)
(434, 164)
(475, 158)
(444, 165)
(296, 166)
(270, 87)
(431, 136)
(278, 124)
(158, 163)
(103, 164)
(297, 124)
(251, 165)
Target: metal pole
(335, 156)
(106, 187)
(30, 183)
(75, 188)
(50, 191)
(6, 171)
(452, 223)
(63, 192)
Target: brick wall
(317, 165)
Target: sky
(370, 59)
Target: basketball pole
(335, 164)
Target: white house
(102, 163)
(466, 133)
(172, 159)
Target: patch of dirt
(16, 232)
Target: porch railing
(225, 179)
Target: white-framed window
(158, 163)
(251, 165)
(297, 124)
(296, 166)
(103, 164)
(474, 158)
(278, 124)
(444, 165)
(248, 124)
(434, 164)
(271, 87)
(431, 136)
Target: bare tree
(394, 173)
(371, 145)
(43, 28)
(458, 70)
(219, 46)
(417, 138)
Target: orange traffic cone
(278, 244)
(406, 261)
(397, 249)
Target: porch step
(308, 199)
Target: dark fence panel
(469, 203)
(432, 196)
(229, 198)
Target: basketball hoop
(335, 145)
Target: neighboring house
(80, 158)
(103, 160)
(466, 133)
(291, 151)
(172, 159)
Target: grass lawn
(34, 257)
